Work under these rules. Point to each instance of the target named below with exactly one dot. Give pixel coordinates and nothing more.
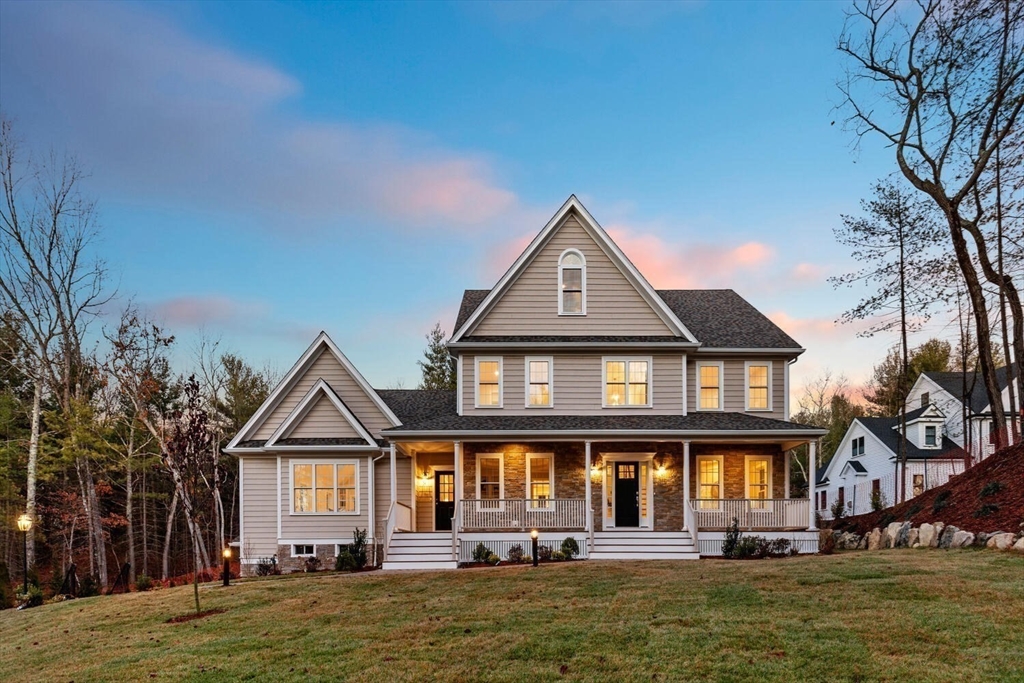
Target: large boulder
(1019, 545)
(889, 535)
(913, 538)
(903, 536)
(946, 538)
(926, 535)
(1000, 541)
(874, 539)
(961, 539)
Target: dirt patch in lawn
(184, 618)
(988, 497)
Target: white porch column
(812, 457)
(787, 460)
(458, 473)
(586, 475)
(686, 485)
(394, 475)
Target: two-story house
(590, 405)
(864, 471)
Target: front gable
(321, 415)
(618, 300)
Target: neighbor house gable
(526, 299)
(323, 360)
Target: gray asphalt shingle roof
(954, 383)
(883, 428)
(718, 318)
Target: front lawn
(896, 615)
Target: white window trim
(746, 476)
(650, 380)
(646, 523)
(335, 463)
(721, 480)
(501, 380)
(295, 554)
(583, 282)
(863, 448)
(501, 475)
(721, 381)
(551, 380)
(530, 457)
(924, 436)
(746, 385)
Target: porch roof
(695, 425)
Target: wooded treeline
(97, 431)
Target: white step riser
(598, 542)
(421, 535)
(420, 543)
(646, 556)
(642, 534)
(425, 557)
(389, 566)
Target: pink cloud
(198, 311)
(816, 328)
(808, 273)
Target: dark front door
(444, 500)
(627, 494)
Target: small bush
(143, 583)
(878, 501)
(986, 510)
(941, 501)
(991, 489)
(570, 548)
(345, 562)
(732, 538)
(515, 554)
(544, 553)
(558, 556)
(34, 597)
(838, 510)
(492, 559)
(358, 547)
(267, 566)
(481, 553)
(312, 564)
(88, 586)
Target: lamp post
(227, 566)
(533, 535)
(25, 525)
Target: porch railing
(522, 514)
(751, 513)
(399, 519)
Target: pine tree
(437, 365)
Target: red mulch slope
(963, 500)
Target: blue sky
(267, 170)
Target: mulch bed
(195, 615)
(962, 503)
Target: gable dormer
(925, 427)
(572, 281)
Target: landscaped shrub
(991, 489)
(267, 566)
(732, 537)
(34, 597)
(492, 559)
(345, 562)
(986, 510)
(143, 583)
(544, 553)
(352, 557)
(911, 511)
(877, 501)
(312, 564)
(570, 548)
(940, 502)
(827, 546)
(481, 552)
(515, 554)
(838, 510)
(558, 556)
(739, 547)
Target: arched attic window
(572, 283)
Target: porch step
(391, 566)
(643, 545)
(422, 550)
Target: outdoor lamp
(533, 535)
(227, 566)
(24, 526)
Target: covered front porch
(662, 493)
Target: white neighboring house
(938, 446)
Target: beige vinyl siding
(530, 305)
(734, 384)
(323, 421)
(332, 372)
(313, 528)
(425, 494)
(578, 387)
(382, 485)
(259, 505)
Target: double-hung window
(930, 436)
(572, 283)
(857, 446)
(490, 485)
(539, 373)
(540, 469)
(325, 487)
(759, 480)
(627, 382)
(709, 386)
(759, 377)
(709, 482)
(488, 382)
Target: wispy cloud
(165, 117)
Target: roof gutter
(608, 435)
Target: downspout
(373, 500)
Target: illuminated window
(325, 487)
(538, 382)
(709, 482)
(540, 471)
(572, 283)
(489, 475)
(709, 376)
(488, 382)
(758, 379)
(759, 481)
(626, 383)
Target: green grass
(903, 615)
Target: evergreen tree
(437, 365)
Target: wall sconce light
(660, 468)
(423, 481)
(595, 469)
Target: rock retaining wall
(938, 535)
